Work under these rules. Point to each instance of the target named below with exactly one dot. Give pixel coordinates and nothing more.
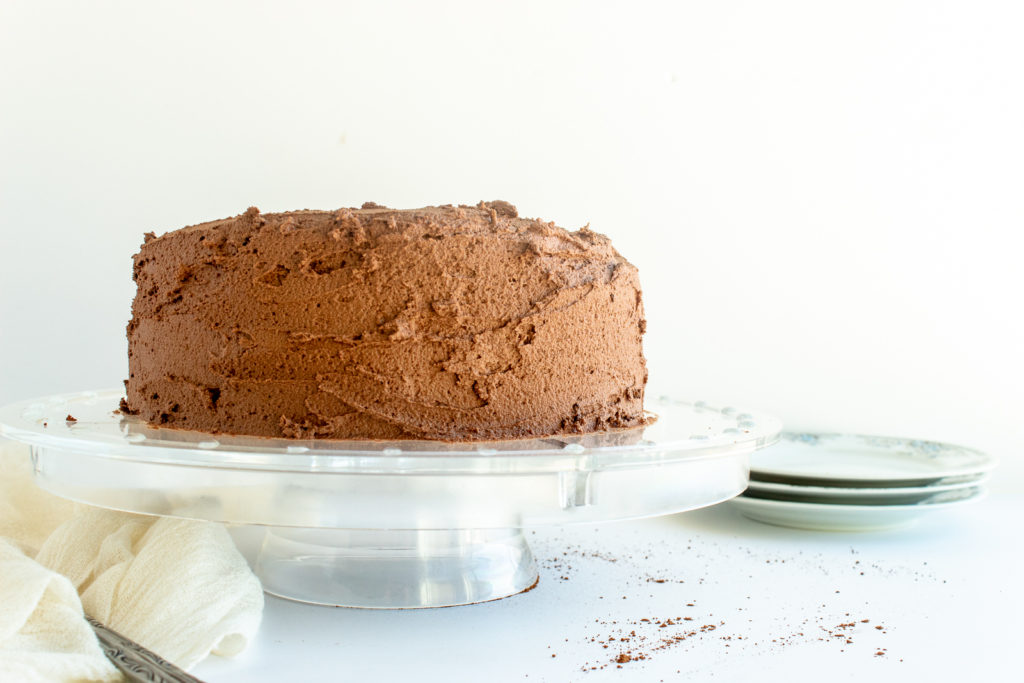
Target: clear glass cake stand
(389, 525)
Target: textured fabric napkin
(176, 587)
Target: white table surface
(946, 593)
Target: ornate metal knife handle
(136, 662)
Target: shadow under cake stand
(389, 525)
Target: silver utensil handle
(136, 662)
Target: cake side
(452, 323)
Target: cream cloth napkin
(177, 587)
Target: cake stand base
(396, 569)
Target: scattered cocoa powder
(629, 643)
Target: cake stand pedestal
(395, 568)
(389, 525)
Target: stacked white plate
(841, 482)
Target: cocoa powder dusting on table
(630, 643)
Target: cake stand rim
(205, 450)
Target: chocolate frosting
(451, 323)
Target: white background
(824, 199)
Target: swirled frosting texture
(451, 323)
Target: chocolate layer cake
(453, 323)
